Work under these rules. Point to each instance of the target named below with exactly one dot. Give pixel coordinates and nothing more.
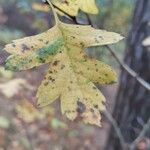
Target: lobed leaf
(72, 7)
(71, 72)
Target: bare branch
(116, 128)
(145, 84)
(141, 135)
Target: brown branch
(141, 135)
(145, 84)
(116, 128)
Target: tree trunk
(132, 108)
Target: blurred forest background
(23, 127)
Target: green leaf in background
(4, 122)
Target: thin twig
(141, 135)
(116, 128)
(145, 84)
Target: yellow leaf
(40, 7)
(26, 111)
(72, 7)
(70, 69)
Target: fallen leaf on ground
(12, 87)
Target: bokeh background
(22, 126)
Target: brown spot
(46, 83)
(69, 89)
(100, 37)
(92, 110)
(81, 107)
(25, 48)
(66, 2)
(41, 40)
(13, 45)
(103, 102)
(41, 60)
(62, 66)
(51, 79)
(94, 88)
(46, 42)
(96, 106)
(55, 63)
(50, 71)
(82, 44)
(106, 74)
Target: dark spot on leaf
(92, 110)
(106, 74)
(46, 83)
(96, 106)
(103, 102)
(25, 48)
(41, 40)
(73, 37)
(82, 44)
(51, 79)
(55, 63)
(100, 37)
(50, 71)
(94, 88)
(13, 45)
(80, 107)
(66, 2)
(41, 60)
(69, 89)
(62, 66)
(46, 42)
(96, 40)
